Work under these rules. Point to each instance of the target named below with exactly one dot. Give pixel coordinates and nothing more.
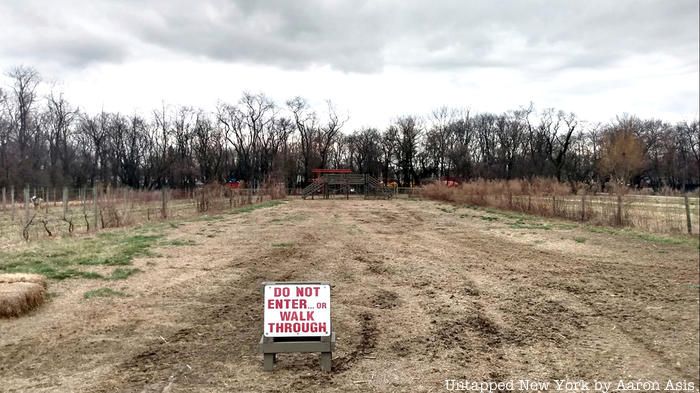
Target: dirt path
(421, 293)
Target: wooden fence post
(95, 208)
(619, 210)
(3, 199)
(583, 207)
(510, 200)
(26, 205)
(25, 223)
(46, 200)
(554, 205)
(164, 203)
(687, 214)
(65, 202)
(12, 200)
(81, 197)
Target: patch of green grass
(646, 236)
(59, 259)
(507, 214)
(580, 239)
(48, 269)
(447, 210)
(489, 218)
(256, 206)
(522, 224)
(179, 242)
(659, 239)
(282, 245)
(122, 273)
(129, 248)
(530, 226)
(103, 292)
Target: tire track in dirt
(530, 312)
(233, 322)
(368, 342)
(233, 325)
(412, 305)
(570, 323)
(213, 334)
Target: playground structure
(342, 181)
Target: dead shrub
(209, 197)
(18, 298)
(109, 215)
(274, 190)
(573, 201)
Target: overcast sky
(374, 59)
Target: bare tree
(389, 143)
(409, 131)
(58, 120)
(307, 126)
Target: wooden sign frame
(271, 346)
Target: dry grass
(441, 297)
(17, 298)
(547, 197)
(121, 207)
(9, 278)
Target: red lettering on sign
(298, 327)
(296, 316)
(307, 291)
(280, 291)
(298, 304)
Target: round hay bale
(8, 278)
(18, 298)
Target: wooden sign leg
(326, 361)
(269, 361)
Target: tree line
(47, 141)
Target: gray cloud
(36, 33)
(356, 36)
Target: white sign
(297, 310)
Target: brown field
(422, 292)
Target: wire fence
(659, 214)
(37, 213)
(33, 213)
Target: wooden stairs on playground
(343, 182)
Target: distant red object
(233, 184)
(450, 183)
